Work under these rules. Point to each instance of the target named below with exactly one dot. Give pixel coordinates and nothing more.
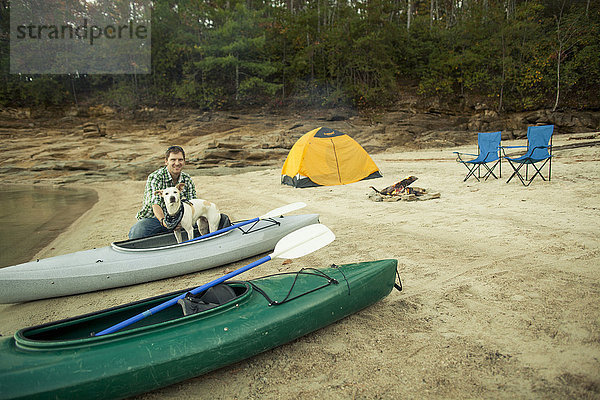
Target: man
(151, 218)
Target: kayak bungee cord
(330, 281)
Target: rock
(205, 117)
(93, 130)
(139, 173)
(101, 109)
(375, 196)
(508, 135)
(15, 113)
(336, 117)
(534, 117)
(265, 154)
(221, 154)
(230, 145)
(72, 112)
(475, 125)
(78, 165)
(281, 140)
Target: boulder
(93, 130)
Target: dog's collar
(171, 221)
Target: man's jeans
(146, 227)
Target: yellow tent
(325, 157)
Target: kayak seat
(210, 298)
(224, 222)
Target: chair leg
(471, 170)
(471, 173)
(500, 166)
(516, 172)
(490, 171)
(538, 172)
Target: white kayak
(142, 260)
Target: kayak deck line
(315, 272)
(251, 227)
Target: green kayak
(234, 321)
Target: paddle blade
(284, 210)
(303, 241)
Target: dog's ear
(158, 192)
(180, 186)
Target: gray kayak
(142, 260)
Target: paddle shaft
(278, 211)
(174, 300)
(223, 230)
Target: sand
(501, 283)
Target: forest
(514, 55)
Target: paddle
(273, 213)
(293, 245)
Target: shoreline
(500, 283)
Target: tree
(569, 32)
(232, 55)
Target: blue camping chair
(539, 151)
(488, 147)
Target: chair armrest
(541, 147)
(503, 149)
(458, 156)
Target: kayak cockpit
(80, 330)
(167, 240)
(163, 240)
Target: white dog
(194, 212)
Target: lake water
(32, 216)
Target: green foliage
(232, 57)
(47, 91)
(34, 91)
(122, 94)
(329, 53)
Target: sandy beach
(501, 283)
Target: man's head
(174, 149)
(175, 160)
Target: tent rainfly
(326, 157)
